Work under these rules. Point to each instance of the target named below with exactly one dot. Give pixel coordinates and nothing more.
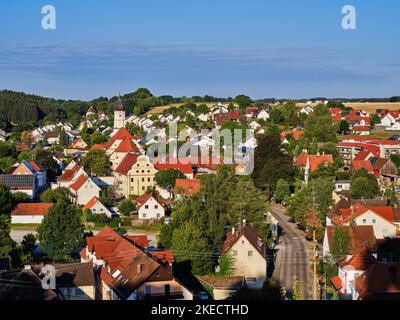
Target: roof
(173, 163)
(79, 182)
(127, 145)
(362, 259)
(297, 134)
(18, 181)
(358, 236)
(362, 164)
(31, 209)
(35, 166)
(119, 106)
(379, 163)
(187, 186)
(250, 234)
(337, 282)
(90, 203)
(380, 281)
(127, 163)
(362, 155)
(314, 160)
(67, 175)
(121, 134)
(145, 197)
(74, 275)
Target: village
(118, 224)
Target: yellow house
(249, 254)
(135, 175)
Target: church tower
(119, 114)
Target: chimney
(139, 268)
(318, 154)
(244, 221)
(233, 230)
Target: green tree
(56, 195)
(319, 125)
(271, 164)
(243, 101)
(97, 138)
(190, 245)
(364, 187)
(344, 127)
(226, 265)
(282, 190)
(45, 159)
(21, 197)
(61, 231)
(167, 178)
(340, 243)
(6, 201)
(6, 163)
(96, 162)
(6, 243)
(126, 207)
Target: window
(234, 252)
(146, 206)
(373, 220)
(148, 180)
(156, 206)
(144, 215)
(143, 188)
(250, 253)
(251, 279)
(364, 221)
(131, 179)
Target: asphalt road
(293, 256)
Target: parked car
(202, 295)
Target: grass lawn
(24, 226)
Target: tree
(63, 138)
(21, 197)
(61, 231)
(6, 243)
(97, 138)
(271, 164)
(28, 247)
(190, 245)
(226, 265)
(167, 178)
(6, 201)
(282, 190)
(126, 207)
(6, 163)
(319, 125)
(340, 243)
(344, 127)
(243, 101)
(96, 162)
(56, 195)
(364, 185)
(45, 159)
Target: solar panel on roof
(17, 180)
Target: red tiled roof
(141, 240)
(35, 166)
(362, 155)
(31, 209)
(315, 161)
(90, 203)
(187, 186)
(127, 145)
(250, 234)
(119, 135)
(361, 260)
(98, 146)
(145, 197)
(170, 163)
(361, 129)
(337, 282)
(297, 134)
(164, 256)
(67, 175)
(362, 164)
(79, 182)
(127, 163)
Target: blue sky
(263, 48)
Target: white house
(32, 213)
(387, 121)
(95, 206)
(149, 207)
(84, 189)
(264, 115)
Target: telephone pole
(315, 289)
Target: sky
(262, 48)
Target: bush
(100, 218)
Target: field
(160, 109)
(367, 106)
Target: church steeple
(119, 114)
